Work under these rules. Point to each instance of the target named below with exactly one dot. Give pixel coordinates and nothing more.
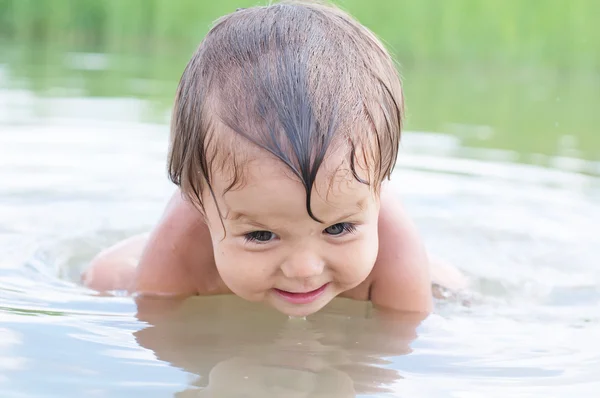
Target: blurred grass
(529, 69)
(561, 33)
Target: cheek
(239, 269)
(354, 262)
(368, 251)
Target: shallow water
(510, 193)
(71, 184)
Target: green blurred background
(520, 75)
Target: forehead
(268, 187)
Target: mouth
(301, 297)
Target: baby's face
(274, 252)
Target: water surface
(525, 235)
(499, 169)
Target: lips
(301, 297)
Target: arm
(400, 279)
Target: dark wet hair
(294, 78)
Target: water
(499, 169)
(525, 235)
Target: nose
(303, 264)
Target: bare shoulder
(178, 257)
(175, 258)
(404, 273)
(401, 277)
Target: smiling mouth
(302, 297)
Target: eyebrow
(241, 217)
(345, 216)
(244, 218)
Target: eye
(340, 228)
(259, 236)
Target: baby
(285, 125)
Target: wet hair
(296, 79)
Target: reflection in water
(236, 348)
